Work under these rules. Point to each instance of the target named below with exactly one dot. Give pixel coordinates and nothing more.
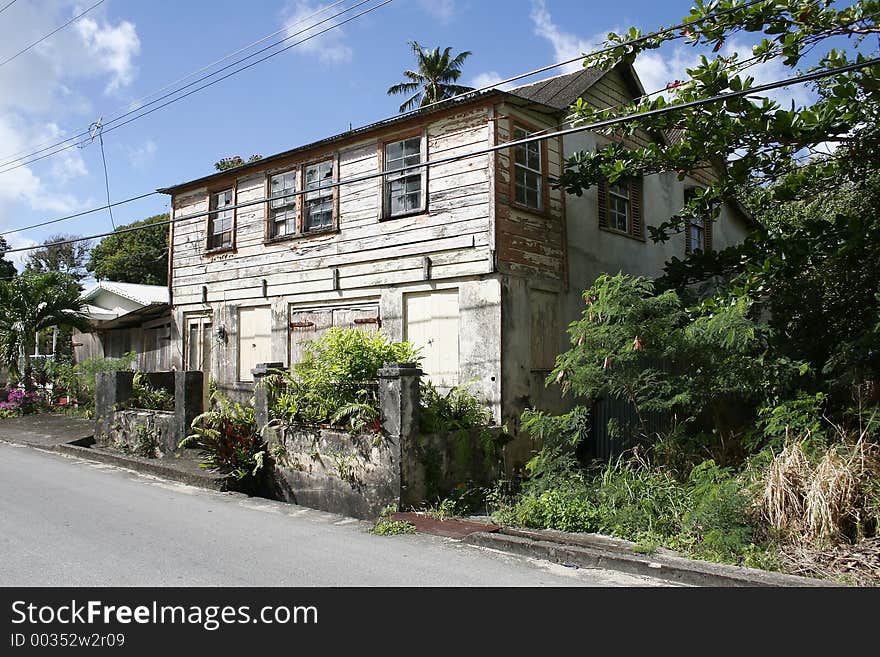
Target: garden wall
(360, 474)
(117, 425)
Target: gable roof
(560, 91)
(145, 295)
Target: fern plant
(229, 442)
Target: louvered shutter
(635, 196)
(707, 227)
(687, 236)
(603, 204)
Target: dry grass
(830, 501)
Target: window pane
(403, 188)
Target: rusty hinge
(302, 324)
(368, 320)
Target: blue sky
(126, 49)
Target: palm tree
(434, 79)
(29, 304)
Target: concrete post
(399, 419)
(189, 401)
(262, 395)
(399, 399)
(111, 390)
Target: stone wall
(359, 475)
(118, 425)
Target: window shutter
(707, 235)
(603, 204)
(687, 236)
(635, 196)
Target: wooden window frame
(706, 229)
(531, 129)
(199, 319)
(635, 220)
(269, 237)
(333, 158)
(422, 134)
(212, 191)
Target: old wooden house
(479, 261)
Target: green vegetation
(230, 443)
(145, 395)
(434, 79)
(385, 526)
(135, 256)
(758, 364)
(29, 304)
(335, 382)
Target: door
(431, 322)
(198, 345)
(254, 339)
(309, 325)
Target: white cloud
(565, 44)
(489, 79)
(442, 10)
(657, 68)
(42, 89)
(112, 48)
(142, 155)
(329, 47)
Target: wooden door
(431, 322)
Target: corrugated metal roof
(142, 294)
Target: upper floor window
(528, 174)
(318, 204)
(620, 207)
(698, 232)
(282, 204)
(220, 219)
(403, 188)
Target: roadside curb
(146, 466)
(596, 551)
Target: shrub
(337, 372)
(230, 443)
(145, 395)
(20, 402)
(456, 410)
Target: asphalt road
(70, 522)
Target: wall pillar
(263, 396)
(189, 401)
(399, 418)
(111, 390)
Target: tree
(30, 303)
(7, 268)
(811, 274)
(137, 256)
(60, 255)
(434, 79)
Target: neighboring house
(480, 261)
(127, 317)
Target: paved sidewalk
(75, 437)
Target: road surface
(70, 522)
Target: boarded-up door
(309, 325)
(432, 324)
(254, 339)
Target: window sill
(614, 231)
(409, 215)
(219, 250)
(299, 236)
(545, 213)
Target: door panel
(432, 323)
(254, 339)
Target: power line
(809, 77)
(79, 214)
(6, 168)
(8, 6)
(4, 165)
(47, 146)
(56, 30)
